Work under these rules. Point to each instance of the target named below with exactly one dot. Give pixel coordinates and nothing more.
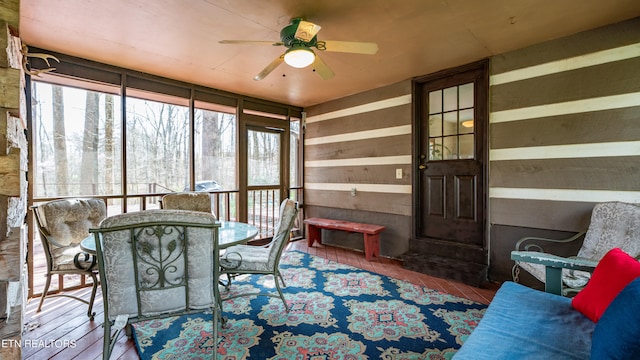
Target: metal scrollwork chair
(613, 225)
(62, 225)
(263, 260)
(195, 201)
(155, 264)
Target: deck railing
(263, 212)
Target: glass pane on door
(451, 123)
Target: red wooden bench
(371, 233)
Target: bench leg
(313, 234)
(371, 246)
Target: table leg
(314, 234)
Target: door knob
(422, 166)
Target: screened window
(215, 150)
(76, 141)
(157, 145)
(101, 132)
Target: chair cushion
(616, 334)
(613, 273)
(613, 224)
(253, 258)
(194, 201)
(524, 323)
(574, 279)
(120, 275)
(68, 221)
(63, 258)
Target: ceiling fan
(299, 37)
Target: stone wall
(13, 184)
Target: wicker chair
(62, 225)
(263, 260)
(155, 264)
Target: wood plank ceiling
(179, 39)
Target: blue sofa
(523, 323)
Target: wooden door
(451, 147)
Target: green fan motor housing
(288, 38)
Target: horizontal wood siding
(553, 130)
(564, 134)
(602, 173)
(362, 201)
(540, 214)
(390, 117)
(357, 174)
(361, 148)
(358, 142)
(585, 83)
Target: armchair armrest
(529, 247)
(554, 265)
(52, 240)
(554, 261)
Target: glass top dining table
(229, 233)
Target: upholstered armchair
(154, 264)
(263, 260)
(62, 225)
(195, 201)
(613, 225)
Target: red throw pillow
(615, 271)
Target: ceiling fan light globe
(299, 58)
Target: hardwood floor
(62, 330)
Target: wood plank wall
(358, 142)
(564, 134)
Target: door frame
(418, 104)
(257, 122)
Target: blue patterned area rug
(336, 312)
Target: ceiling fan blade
(250, 42)
(322, 68)
(367, 48)
(306, 31)
(267, 70)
